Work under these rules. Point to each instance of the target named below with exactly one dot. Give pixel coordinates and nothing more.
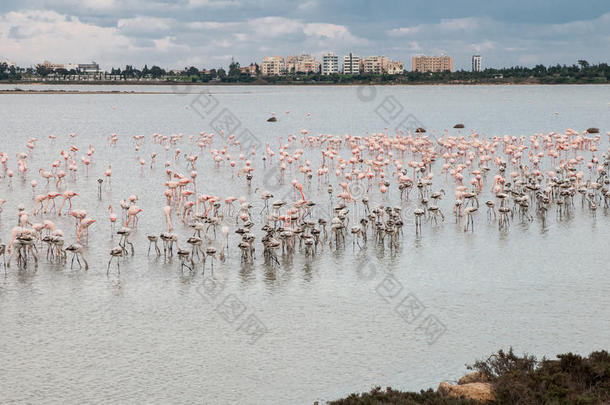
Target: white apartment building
(330, 64)
(351, 64)
(476, 63)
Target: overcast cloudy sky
(207, 33)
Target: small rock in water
(593, 130)
(272, 119)
(458, 126)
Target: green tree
(583, 64)
(42, 70)
(156, 72)
(192, 71)
(234, 69)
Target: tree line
(582, 72)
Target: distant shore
(262, 82)
(42, 90)
(83, 92)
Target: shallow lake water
(329, 325)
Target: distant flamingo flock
(302, 194)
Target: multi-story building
(71, 66)
(248, 70)
(330, 64)
(303, 63)
(432, 63)
(52, 66)
(351, 64)
(395, 67)
(89, 68)
(273, 66)
(476, 63)
(374, 64)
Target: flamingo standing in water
(108, 174)
(132, 213)
(112, 218)
(84, 228)
(67, 196)
(77, 250)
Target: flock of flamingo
(324, 189)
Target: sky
(208, 33)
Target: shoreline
(42, 90)
(270, 84)
(85, 92)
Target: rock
(477, 391)
(272, 119)
(477, 376)
(593, 130)
(420, 130)
(458, 126)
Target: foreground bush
(390, 396)
(569, 380)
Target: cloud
(142, 25)
(308, 5)
(212, 3)
(483, 46)
(272, 27)
(168, 44)
(331, 32)
(281, 30)
(56, 37)
(443, 27)
(210, 25)
(404, 31)
(94, 5)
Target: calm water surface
(154, 335)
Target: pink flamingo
(51, 198)
(108, 174)
(84, 228)
(112, 217)
(132, 213)
(67, 196)
(167, 210)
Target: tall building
(395, 68)
(273, 66)
(330, 64)
(303, 63)
(351, 64)
(476, 63)
(432, 63)
(374, 64)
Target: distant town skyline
(208, 33)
